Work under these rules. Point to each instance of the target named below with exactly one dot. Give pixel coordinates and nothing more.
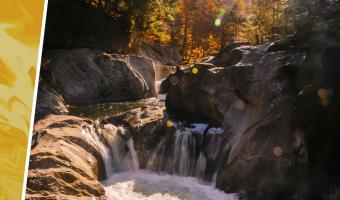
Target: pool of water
(105, 110)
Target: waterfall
(192, 147)
(184, 153)
(90, 134)
(123, 156)
(126, 181)
(134, 158)
(201, 166)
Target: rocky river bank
(254, 119)
(113, 122)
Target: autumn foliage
(201, 27)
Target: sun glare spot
(277, 151)
(169, 124)
(194, 70)
(324, 96)
(218, 22)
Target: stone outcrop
(49, 102)
(253, 99)
(84, 76)
(164, 57)
(66, 161)
(147, 126)
(228, 55)
(160, 54)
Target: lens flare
(194, 70)
(277, 151)
(324, 96)
(218, 22)
(169, 124)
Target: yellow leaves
(214, 45)
(242, 6)
(195, 55)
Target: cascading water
(127, 182)
(120, 160)
(89, 133)
(201, 166)
(192, 148)
(134, 158)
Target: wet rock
(254, 101)
(65, 161)
(146, 126)
(84, 76)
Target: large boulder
(254, 101)
(84, 76)
(228, 55)
(318, 106)
(164, 57)
(66, 160)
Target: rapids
(125, 181)
(147, 185)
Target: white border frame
(33, 106)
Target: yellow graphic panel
(20, 27)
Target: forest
(201, 27)
(188, 100)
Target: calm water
(105, 110)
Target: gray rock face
(254, 101)
(228, 55)
(162, 56)
(85, 76)
(49, 102)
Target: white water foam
(129, 183)
(146, 185)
